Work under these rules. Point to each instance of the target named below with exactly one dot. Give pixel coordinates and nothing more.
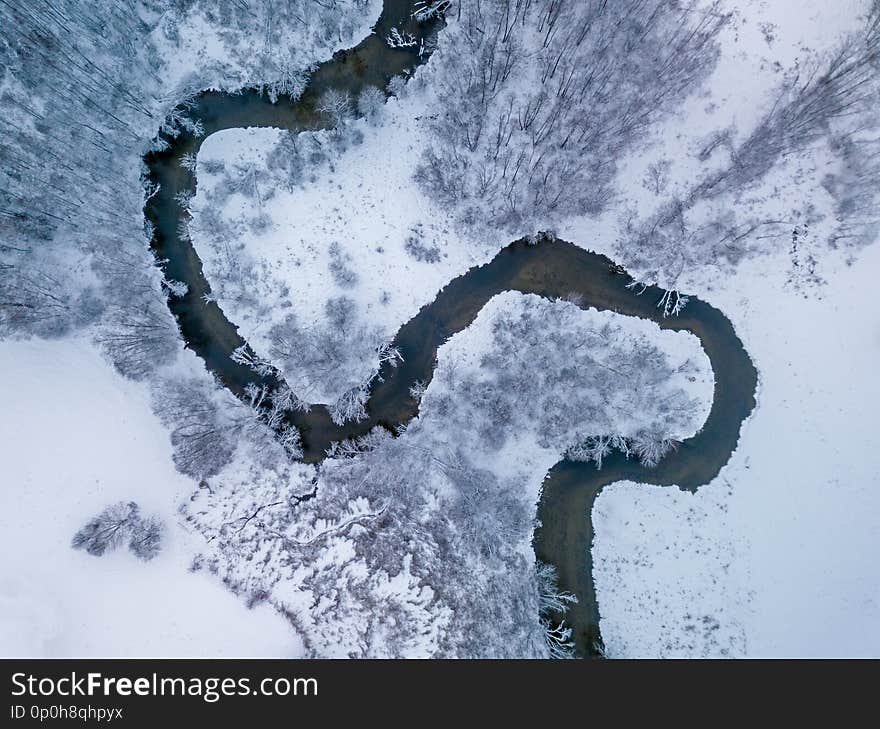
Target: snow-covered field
(779, 551)
(365, 202)
(75, 437)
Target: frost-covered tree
(332, 362)
(119, 523)
(580, 383)
(411, 545)
(370, 102)
(388, 557)
(553, 605)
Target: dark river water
(550, 269)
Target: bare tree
(116, 524)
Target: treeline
(537, 99)
(826, 115)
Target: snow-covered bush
(370, 102)
(418, 248)
(116, 524)
(340, 266)
(329, 357)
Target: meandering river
(551, 269)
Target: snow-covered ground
(780, 549)
(366, 202)
(774, 558)
(75, 437)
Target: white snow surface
(779, 551)
(75, 437)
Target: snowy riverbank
(75, 437)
